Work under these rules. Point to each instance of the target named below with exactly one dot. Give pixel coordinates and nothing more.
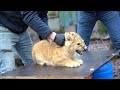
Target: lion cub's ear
(68, 36)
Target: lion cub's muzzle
(81, 51)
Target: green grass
(102, 28)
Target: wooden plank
(41, 77)
(91, 59)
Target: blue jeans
(111, 20)
(10, 41)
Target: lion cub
(49, 53)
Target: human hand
(59, 39)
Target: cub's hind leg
(38, 60)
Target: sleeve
(37, 23)
(44, 16)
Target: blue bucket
(104, 72)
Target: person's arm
(32, 19)
(44, 16)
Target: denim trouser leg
(85, 27)
(24, 48)
(111, 20)
(86, 22)
(9, 41)
(7, 61)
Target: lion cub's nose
(85, 48)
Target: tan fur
(49, 53)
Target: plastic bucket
(104, 72)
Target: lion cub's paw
(79, 60)
(72, 64)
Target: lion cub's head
(74, 42)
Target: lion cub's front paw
(72, 64)
(79, 60)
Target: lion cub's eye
(78, 43)
(68, 39)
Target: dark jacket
(18, 21)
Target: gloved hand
(40, 38)
(60, 39)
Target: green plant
(102, 28)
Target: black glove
(40, 38)
(60, 39)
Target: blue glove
(60, 39)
